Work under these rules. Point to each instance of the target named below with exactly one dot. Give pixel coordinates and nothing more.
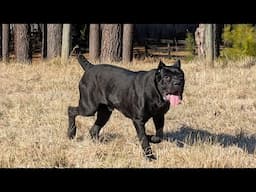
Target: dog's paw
(71, 132)
(154, 139)
(150, 157)
(94, 136)
(70, 136)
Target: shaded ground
(189, 136)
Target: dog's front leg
(72, 113)
(159, 125)
(140, 129)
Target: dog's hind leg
(72, 113)
(103, 115)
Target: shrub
(190, 43)
(239, 40)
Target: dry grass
(215, 126)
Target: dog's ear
(161, 65)
(158, 72)
(177, 64)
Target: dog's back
(110, 85)
(106, 75)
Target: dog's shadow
(188, 135)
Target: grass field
(214, 127)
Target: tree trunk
(5, 42)
(208, 38)
(217, 32)
(200, 40)
(127, 43)
(94, 42)
(44, 41)
(209, 44)
(54, 32)
(65, 42)
(22, 43)
(111, 43)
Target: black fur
(138, 95)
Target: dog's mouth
(173, 98)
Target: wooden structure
(163, 46)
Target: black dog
(138, 95)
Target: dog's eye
(167, 78)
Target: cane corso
(138, 95)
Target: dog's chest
(157, 108)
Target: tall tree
(54, 37)
(127, 42)
(200, 40)
(211, 43)
(111, 43)
(22, 43)
(94, 42)
(217, 28)
(208, 41)
(5, 42)
(44, 41)
(65, 42)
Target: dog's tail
(85, 64)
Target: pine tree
(54, 36)
(111, 43)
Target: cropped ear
(161, 65)
(158, 71)
(177, 64)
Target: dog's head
(170, 82)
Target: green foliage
(83, 32)
(190, 45)
(239, 40)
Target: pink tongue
(174, 100)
